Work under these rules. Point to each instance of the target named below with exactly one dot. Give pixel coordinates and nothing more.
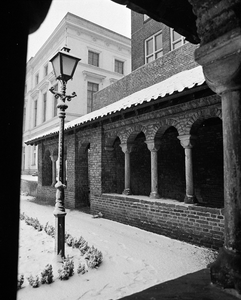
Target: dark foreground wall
(194, 224)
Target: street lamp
(64, 66)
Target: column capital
(187, 141)
(127, 148)
(153, 145)
(218, 27)
(54, 157)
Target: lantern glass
(56, 65)
(69, 64)
(64, 65)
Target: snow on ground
(133, 259)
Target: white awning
(176, 83)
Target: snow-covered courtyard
(133, 259)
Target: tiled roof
(176, 83)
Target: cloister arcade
(177, 158)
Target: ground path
(134, 259)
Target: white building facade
(105, 58)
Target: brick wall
(160, 69)
(198, 225)
(29, 187)
(141, 30)
(46, 194)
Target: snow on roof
(176, 83)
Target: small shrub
(34, 281)
(82, 268)
(78, 242)
(47, 275)
(84, 247)
(70, 240)
(22, 216)
(49, 229)
(67, 269)
(33, 222)
(20, 281)
(93, 257)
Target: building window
(119, 66)
(44, 106)
(55, 101)
(146, 17)
(153, 47)
(91, 89)
(35, 111)
(37, 79)
(93, 58)
(177, 40)
(46, 70)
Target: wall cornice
(175, 111)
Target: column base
(126, 192)
(154, 195)
(226, 270)
(190, 199)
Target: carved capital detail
(218, 27)
(215, 18)
(153, 145)
(187, 141)
(54, 158)
(127, 148)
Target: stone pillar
(154, 146)
(218, 26)
(53, 159)
(127, 148)
(187, 142)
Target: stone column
(154, 146)
(53, 159)
(187, 142)
(127, 148)
(218, 26)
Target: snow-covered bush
(33, 222)
(20, 281)
(69, 240)
(22, 216)
(82, 269)
(67, 269)
(47, 274)
(84, 247)
(49, 229)
(93, 257)
(34, 281)
(78, 242)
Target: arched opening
(82, 177)
(47, 169)
(208, 162)
(140, 167)
(171, 166)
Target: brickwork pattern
(198, 225)
(156, 71)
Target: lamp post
(64, 66)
